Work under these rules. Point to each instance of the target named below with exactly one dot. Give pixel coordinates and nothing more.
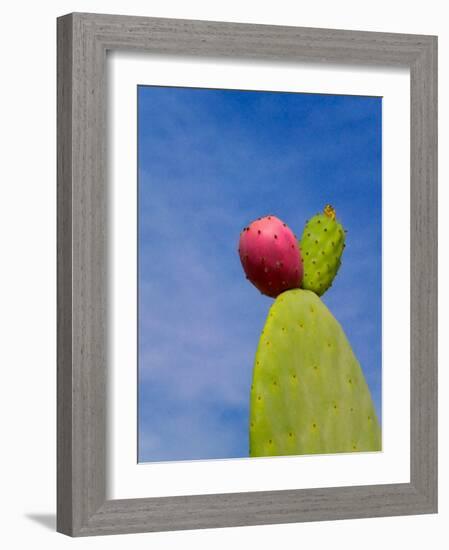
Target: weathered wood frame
(83, 40)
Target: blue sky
(211, 161)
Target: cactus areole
(270, 256)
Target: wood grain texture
(423, 273)
(64, 277)
(83, 40)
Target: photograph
(220, 275)
(259, 273)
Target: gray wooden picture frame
(83, 40)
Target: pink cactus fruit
(270, 256)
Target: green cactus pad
(321, 244)
(308, 394)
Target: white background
(27, 299)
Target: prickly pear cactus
(308, 394)
(321, 244)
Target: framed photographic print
(247, 274)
